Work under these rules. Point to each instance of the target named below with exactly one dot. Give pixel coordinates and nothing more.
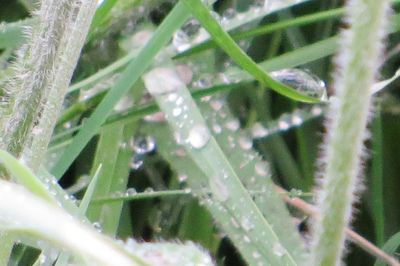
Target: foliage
(178, 123)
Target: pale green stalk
(34, 72)
(72, 42)
(357, 65)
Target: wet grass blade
(222, 38)
(130, 75)
(230, 203)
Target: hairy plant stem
(358, 64)
(71, 45)
(33, 74)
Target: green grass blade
(107, 152)
(43, 220)
(252, 170)
(87, 198)
(235, 204)
(24, 176)
(390, 248)
(202, 13)
(131, 74)
(265, 29)
(295, 58)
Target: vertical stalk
(357, 65)
(33, 74)
(73, 39)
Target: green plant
(231, 119)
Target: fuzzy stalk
(34, 70)
(357, 67)
(76, 30)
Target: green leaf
(390, 248)
(202, 13)
(24, 176)
(230, 203)
(130, 75)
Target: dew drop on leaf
(278, 250)
(232, 125)
(182, 177)
(143, 144)
(183, 37)
(261, 169)
(199, 135)
(245, 143)
(130, 191)
(246, 223)
(302, 81)
(136, 162)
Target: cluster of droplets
(141, 146)
(168, 253)
(285, 122)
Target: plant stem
(71, 45)
(358, 64)
(351, 235)
(34, 72)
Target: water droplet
(245, 143)
(302, 81)
(261, 168)
(246, 239)
(216, 105)
(180, 152)
(130, 191)
(227, 15)
(283, 125)
(259, 131)
(183, 37)
(97, 226)
(176, 111)
(182, 178)
(172, 97)
(278, 250)
(233, 125)
(179, 101)
(67, 125)
(199, 136)
(136, 162)
(246, 223)
(205, 81)
(256, 255)
(296, 120)
(149, 190)
(216, 128)
(37, 130)
(316, 110)
(42, 259)
(143, 144)
(191, 28)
